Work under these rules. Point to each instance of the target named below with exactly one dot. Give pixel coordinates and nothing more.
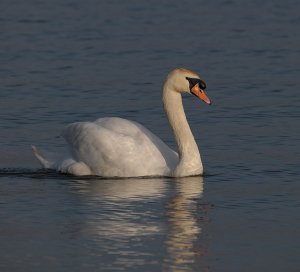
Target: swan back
(118, 147)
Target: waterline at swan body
(116, 147)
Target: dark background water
(66, 61)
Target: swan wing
(119, 147)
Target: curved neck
(189, 156)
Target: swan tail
(64, 166)
(43, 161)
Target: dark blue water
(65, 61)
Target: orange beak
(200, 93)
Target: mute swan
(116, 147)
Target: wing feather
(118, 147)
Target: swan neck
(187, 147)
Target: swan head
(186, 81)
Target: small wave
(29, 173)
(52, 174)
(42, 174)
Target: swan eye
(202, 85)
(194, 81)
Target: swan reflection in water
(144, 222)
(184, 226)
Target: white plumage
(116, 147)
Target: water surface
(67, 61)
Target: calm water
(64, 61)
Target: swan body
(116, 147)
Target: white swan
(116, 147)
